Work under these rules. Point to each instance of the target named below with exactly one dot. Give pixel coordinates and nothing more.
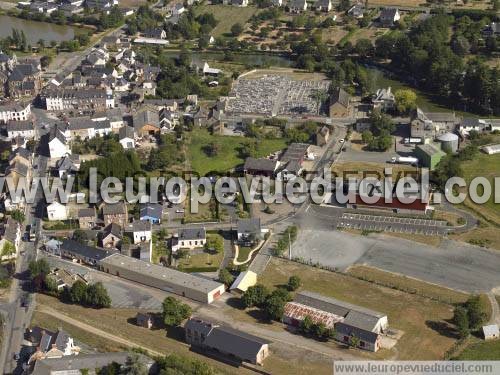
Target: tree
(174, 311)
(274, 307)
(236, 29)
(364, 47)
(79, 236)
(461, 320)
(381, 123)
(97, 296)
(354, 341)
(306, 325)
(406, 100)
(344, 5)
(367, 136)
(18, 216)
(226, 277)
(45, 61)
(476, 312)
(135, 366)
(255, 296)
(78, 292)
(460, 45)
(215, 243)
(293, 283)
(38, 267)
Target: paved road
(17, 317)
(454, 264)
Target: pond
(35, 30)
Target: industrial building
(449, 142)
(167, 279)
(429, 155)
(347, 319)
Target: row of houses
(69, 7)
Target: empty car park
(392, 224)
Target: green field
(425, 322)
(227, 16)
(228, 155)
(481, 351)
(485, 166)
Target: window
(362, 344)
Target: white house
(14, 111)
(297, 6)
(323, 5)
(389, 16)
(24, 129)
(58, 144)
(57, 211)
(189, 238)
(127, 137)
(140, 230)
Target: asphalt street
(453, 264)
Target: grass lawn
(480, 350)
(406, 283)
(206, 259)
(121, 322)
(484, 166)
(488, 237)
(51, 323)
(226, 15)
(243, 252)
(424, 321)
(229, 155)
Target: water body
(35, 30)
(242, 58)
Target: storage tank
(449, 142)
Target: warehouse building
(167, 279)
(429, 155)
(348, 320)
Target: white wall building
(57, 211)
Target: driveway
(455, 265)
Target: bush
(294, 283)
(174, 311)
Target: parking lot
(392, 224)
(123, 294)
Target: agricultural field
(425, 322)
(229, 151)
(227, 16)
(487, 166)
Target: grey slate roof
(86, 212)
(20, 125)
(240, 344)
(339, 95)
(192, 234)
(248, 226)
(114, 209)
(80, 249)
(126, 132)
(73, 363)
(154, 210)
(113, 229)
(335, 306)
(138, 226)
(266, 165)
